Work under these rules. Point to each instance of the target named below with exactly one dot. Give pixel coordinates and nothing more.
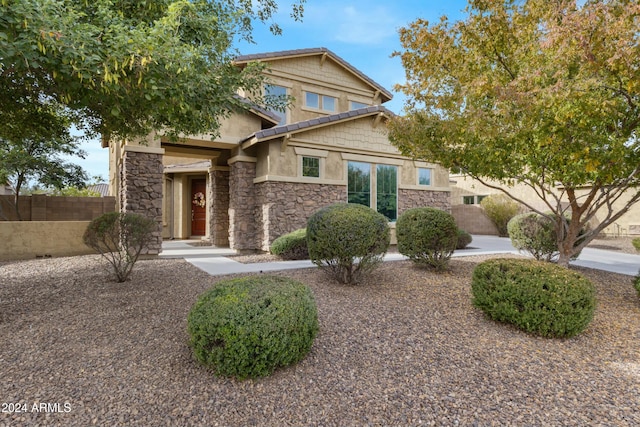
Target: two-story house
(269, 171)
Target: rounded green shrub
(464, 239)
(427, 236)
(636, 243)
(292, 245)
(636, 283)
(250, 326)
(539, 298)
(534, 233)
(347, 240)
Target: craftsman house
(268, 171)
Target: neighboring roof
(278, 131)
(101, 188)
(312, 52)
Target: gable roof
(279, 131)
(318, 51)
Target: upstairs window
(357, 105)
(276, 92)
(320, 102)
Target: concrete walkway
(215, 261)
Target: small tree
(541, 93)
(500, 209)
(120, 238)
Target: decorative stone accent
(285, 206)
(218, 194)
(408, 199)
(141, 190)
(242, 219)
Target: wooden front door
(198, 207)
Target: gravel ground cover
(404, 348)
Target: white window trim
(320, 102)
(430, 177)
(373, 176)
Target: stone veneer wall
(283, 207)
(242, 218)
(408, 199)
(218, 190)
(141, 190)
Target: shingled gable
(319, 51)
(278, 131)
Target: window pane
(312, 100)
(274, 93)
(424, 177)
(357, 105)
(468, 200)
(387, 191)
(359, 183)
(479, 198)
(328, 103)
(311, 167)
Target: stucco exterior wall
(32, 239)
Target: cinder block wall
(472, 219)
(40, 207)
(32, 239)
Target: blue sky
(362, 32)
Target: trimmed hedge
(427, 236)
(347, 240)
(539, 298)
(292, 245)
(636, 243)
(250, 326)
(464, 239)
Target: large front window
(384, 197)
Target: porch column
(242, 220)
(141, 187)
(218, 194)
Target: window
(472, 200)
(328, 103)
(359, 183)
(276, 93)
(357, 105)
(311, 167)
(312, 100)
(386, 189)
(319, 102)
(424, 176)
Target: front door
(198, 207)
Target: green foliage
(292, 245)
(500, 209)
(250, 326)
(531, 92)
(428, 236)
(539, 298)
(636, 243)
(127, 68)
(120, 238)
(636, 283)
(75, 191)
(536, 234)
(347, 240)
(464, 239)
